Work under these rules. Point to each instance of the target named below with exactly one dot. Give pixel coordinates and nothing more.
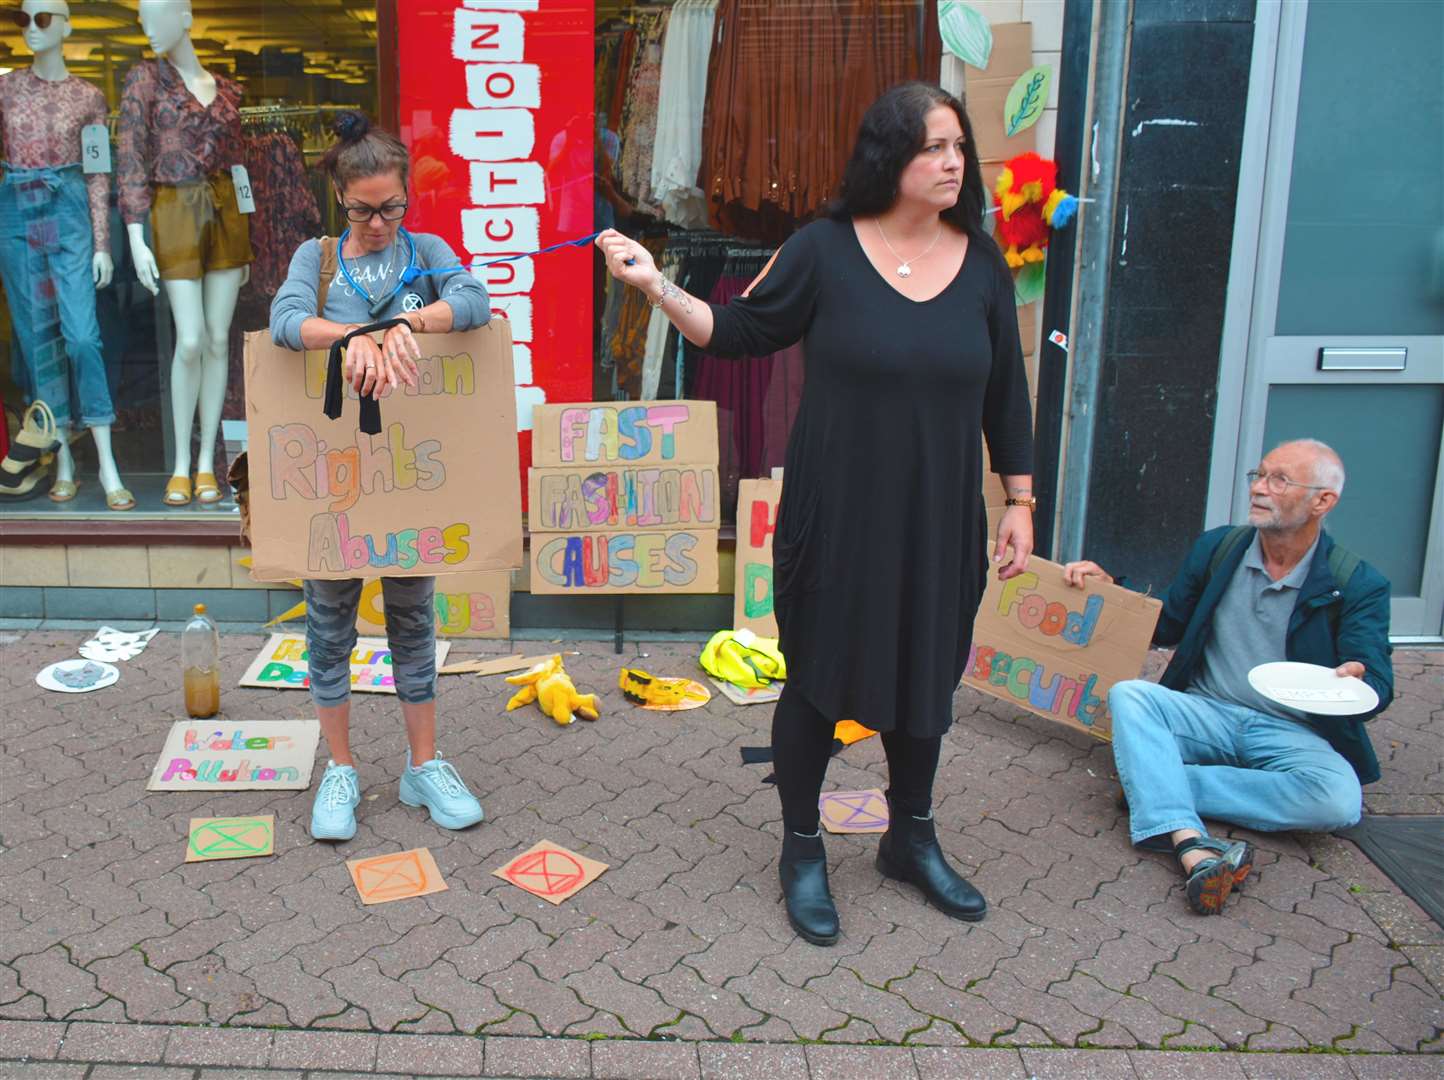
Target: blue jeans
(410, 632)
(1182, 757)
(46, 248)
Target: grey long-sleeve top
(295, 301)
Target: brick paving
(117, 959)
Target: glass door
(1346, 328)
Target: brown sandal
(177, 491)
(207, 490)
(120, 499)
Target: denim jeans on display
(1183, 757)
(46, 251)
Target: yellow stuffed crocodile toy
(552, 689)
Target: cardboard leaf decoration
(965, 33)
(1029, 282)
(1027, 100)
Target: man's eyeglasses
(1277, 482)
(42, 19)
(389, 212)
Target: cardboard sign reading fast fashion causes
(623, 498)
(756, 521)
(433, 493)
(1047, 647)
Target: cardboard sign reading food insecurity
(1047, 647)
(282, 665)
(756, 521)
(623, 498)
(467, 606)
(433, 493)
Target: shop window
(722, 126)
(141, 390)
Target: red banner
(496, 104)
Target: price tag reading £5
(241, 181)
(95, 148)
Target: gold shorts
(196, 228)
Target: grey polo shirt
(1250, 626)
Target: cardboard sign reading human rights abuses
(467, 606)
(281, 665)
(433, 493)
(1054, 650)
(623, 498)
(752, 605)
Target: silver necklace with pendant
(905, 265)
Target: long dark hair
(891, 134)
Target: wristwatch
(1030, 502)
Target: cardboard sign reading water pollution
(1054, 650)
(756, 521)
(434, 493)
(467, 606)
(231, 755)
(623, 498)
(281, 665)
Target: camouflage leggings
(410, 632)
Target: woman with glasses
(335, 286)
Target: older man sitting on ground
(1204, 742)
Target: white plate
(77, 676)
(1313, 688)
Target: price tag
(95, 148)
(241, 181)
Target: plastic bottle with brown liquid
(201, 665)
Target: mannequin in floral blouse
(180, 134)
(54, 227)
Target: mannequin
(201, 241)
(44, 110)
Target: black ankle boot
(803, 869)
(909, 852)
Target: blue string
(411, 273)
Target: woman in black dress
(906, 313)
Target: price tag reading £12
(241, 181)
(95, 148)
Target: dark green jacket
(1330, 626)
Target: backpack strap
(330, 262)
(1342, 564)
(1226, 546)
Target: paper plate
(1313, 688)
(77, 676)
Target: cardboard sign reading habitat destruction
(1047, 647)
(756, 521)
(467, 606)
(434, 493)
(623, 498)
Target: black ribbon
(335, 385)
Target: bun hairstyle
(362, 150)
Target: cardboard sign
(281, 665)
(612, 498)
(231, 755)
(213, 838)
(1044, 646)
(853, 811)
(623, 498)
(988, 93)
(624, 433)
(383, 878)
(467, 606)
(745, 695)
(756, 521)
(551, 872)
(433, 493)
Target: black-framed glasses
(1278, 483)
(389, 212)
(42, 19)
